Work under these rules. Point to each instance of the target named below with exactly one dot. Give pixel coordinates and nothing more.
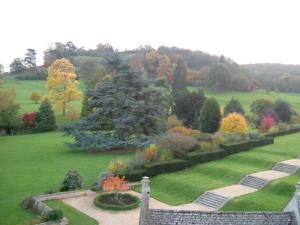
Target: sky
(247, 31)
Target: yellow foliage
(62, 86)
(118, 167)
(35, 96)
(151, 152)
(184, 131)
(234, 123)
(72, 114)
(173, 121)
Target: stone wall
(40, 207)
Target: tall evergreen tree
(127, 111)
(45, 118)
(233, 105)
(85, 108)
(179, 79)
(210, 116)
(30, 58)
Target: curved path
(211, 200)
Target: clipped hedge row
(200, 156)
(284, 132)
(192, 158)
(244, 146)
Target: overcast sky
(248, 31)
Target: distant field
(246, 98)
(24, 88)
(36, 163)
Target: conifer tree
(232, 106)
(210, 116)
(45, 118)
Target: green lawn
(185, 186)
(274, 197)
(34, 164)
(246, 98)
(75, 217)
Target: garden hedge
(243, 146)
(135, 175)
(284, 132)
(116, 207)
(200, 156)
(155, 168)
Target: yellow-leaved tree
(62, 86)
(234, 123)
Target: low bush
(173, 121)
(234, 123)
(29, 119)
(27, 203)
(118, 167)
(184, 131)
(137, 161)
(72, 181)
(267, 122)
(178, 144)
(53, 215)
(208, 146)
(165, 155)
(151, 153)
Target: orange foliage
(151, 152)
(184, 131)
(115, 183)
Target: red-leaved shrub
(29, 119)
(267, 122)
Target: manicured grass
(75, 217)
(34, 164)
(185, 186)
(274, 197)
(246, 98)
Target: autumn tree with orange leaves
(115, 184)
(62, 86)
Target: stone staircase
(212, 200)
(254, 182)
(286, 168)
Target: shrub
(232, 138)
(151, 153)
(173, 121)
(165, 155)
(178, 144)
(188, 106)
(282, 126)
(210, 116)
(107, 201)
(295, 119)
(115, 184)
(233, 106)
(137, 161)
(260, 105)
(29, 119)
(35, 97)
(267, 122)
(208, 146)
(27, 203)
(72, 181)
(234, 123)
(53, 215)
(270, 113)
(45, 118)
(255, 136)
(117, 167)
(184, 131)
(283, 110)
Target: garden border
(284, 132)
(193, 158)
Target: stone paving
(105, 217)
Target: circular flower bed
(109, 201)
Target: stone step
(212, 200)
(254, 182)
(285, 168)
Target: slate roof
(184, 217)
